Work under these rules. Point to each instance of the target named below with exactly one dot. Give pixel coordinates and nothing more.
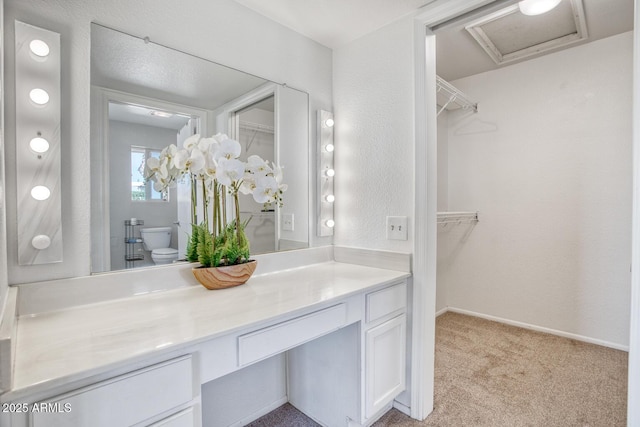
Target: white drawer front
(386, 301)
(131, 398)
(184, 418)
(283, 336)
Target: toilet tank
(155, 237)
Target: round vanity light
(330, 198)
(329, 123)
(330, 172)
(39, 145)
(40, 192)
(39, 96)
(41, 242)
(330, 223)
(537, 7)
(39, 48)
(329, 148)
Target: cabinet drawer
(283, 336)
(184, 418)
(386, 301)
(132, 398)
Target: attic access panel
(508, 35)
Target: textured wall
(374, 138)
(219, 30)
(547, 162)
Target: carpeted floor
(491, 374)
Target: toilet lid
(165, 251)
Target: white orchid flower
(279, 176)
(256, 165)
(208, 145)
(266, 189)
(210, 165)
(248, 184)
(190, 162)
(229, 171)
(191, 142)
(229, 149)
(151, 166)
(219, 137)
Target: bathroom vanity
(145, 359)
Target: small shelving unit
(131, 242)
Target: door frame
(425, 251)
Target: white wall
(547, 162)
(3, 235)
(154, 213)
(219, 30)
(374, 137)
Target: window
(142, 190)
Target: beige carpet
(490, 374)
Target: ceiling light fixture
(537, 7)
(162, 114)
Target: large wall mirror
(144, 97)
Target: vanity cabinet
(352, 376)
(160, 395)
(330, 338)
(384, 364)
(385, 347)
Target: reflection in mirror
(144, 97)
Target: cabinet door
(384, 363)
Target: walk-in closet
(534, 168)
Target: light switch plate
(397, 228)
(287, 222)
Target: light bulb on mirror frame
(330, 223)
(330, 172)
(329, 148)
(39, 145)
(39, 48)
(39, 96)
(329, 123)
(330, 198)
(40, 192)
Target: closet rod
(257, 127)
(457, 217)
(455, 96)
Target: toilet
(157, 240)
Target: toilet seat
(164, 251)
(164, 254)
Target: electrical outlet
(397, 228)
(287, 222)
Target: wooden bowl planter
(224, 277)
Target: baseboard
(263, 411)
(442, 311)
(537, 328)
(402, 408)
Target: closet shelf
(457, 217)
(449, 95)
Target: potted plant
(213, 167)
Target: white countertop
(71, 344)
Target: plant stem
(194, 201)
(205, 204)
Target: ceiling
(334, 22)
(337, 22)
